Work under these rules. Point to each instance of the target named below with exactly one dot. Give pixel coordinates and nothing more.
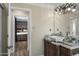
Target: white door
(10, 32)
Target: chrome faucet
(66, 37)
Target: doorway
(19, 40)
(21, 36)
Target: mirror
(67, 23)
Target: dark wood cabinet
(65, 51)
(68, 52)
(50, 49)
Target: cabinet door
(45, 49)
(53, 50)
(50, 49)
(64, 51)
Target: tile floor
(21, 48)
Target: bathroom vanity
(67, 51)
(57, 48)
(50, 49)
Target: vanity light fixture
(66, 8)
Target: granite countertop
(62, 43)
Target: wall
(4, 30)
(3, 24)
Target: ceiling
(47, 5)
(50, 5)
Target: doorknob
(9, 47)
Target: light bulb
(73, 10)
(68, 9)
(56, 12)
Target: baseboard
(41, 55)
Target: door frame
(30, 26)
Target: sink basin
(71, 43)
(57, 38)
(67, 43)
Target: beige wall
(4, 30)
